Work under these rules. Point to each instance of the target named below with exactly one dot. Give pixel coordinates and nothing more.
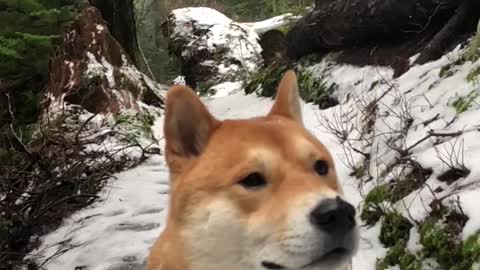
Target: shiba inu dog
(252, 194)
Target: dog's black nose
(334, 216)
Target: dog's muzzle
(335, 219)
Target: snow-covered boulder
(211, 47)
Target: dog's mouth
(331, 257)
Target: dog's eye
(253, 181)
(321, 167)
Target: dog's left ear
(287, 101)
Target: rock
(91, 69)
(211, 48)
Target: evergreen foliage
(30, 29)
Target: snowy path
(116, 232)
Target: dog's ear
(287, 101)
(188, 126)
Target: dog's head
(258, 193)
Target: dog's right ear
(187, 128)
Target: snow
(226, 88)
(100, 28)
(203, 15)
(272, 23)
(469, 201)
(180, 80)
(102, 68)
(413, 244)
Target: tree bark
(339, 24)
(120, 16)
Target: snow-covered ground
(117, 231)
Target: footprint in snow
(137, 227)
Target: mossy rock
(394, 228)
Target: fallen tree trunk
(343, 24)
(120, 16)
(465, 14)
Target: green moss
(473, 53)
(394, 228)
(372, 210)
(471, 250)
(359, 172)
(205, 89)
(399, 255)
(314, 90)
(433, 85)
(265, 81)
(137, 125)
(5, 226)
(286, 28)
(442, 245)
(440, 238)
(374, 84)
(378, 194)
(371, 214)
(462, 104)
(473, 74)
(446, 71)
